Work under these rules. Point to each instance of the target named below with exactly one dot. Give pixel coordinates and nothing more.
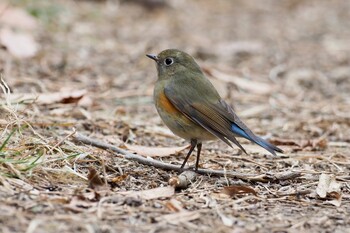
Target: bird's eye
(168, 61)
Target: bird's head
(171, 62)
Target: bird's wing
(201, 109)
(199, 101)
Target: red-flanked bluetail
(191, 107)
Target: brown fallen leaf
(238, 189)
(284, 142)
(315, 144)
(155, 151)
(119, 179)
(64, 97)
(95, 181)
(160, 192)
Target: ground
(283, 65)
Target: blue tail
(253, 138)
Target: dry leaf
(326, 185)
(329, 187)
(284, 142)
(20, 45)
(245, 84)
(64, 97)
(119, 179)
(155, 151)
(238, 189)
(95, 182)
(315, 144)
(150, 194)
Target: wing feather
(204, 115)
(210, 111)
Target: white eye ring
(168, 61)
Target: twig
(165, 166)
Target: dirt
(283, 65)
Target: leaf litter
(284, 67)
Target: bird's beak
(152, 56)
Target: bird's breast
(163, 102)
(178, 122)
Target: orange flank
(166, 105)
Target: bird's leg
(193, 145)
(199, 147)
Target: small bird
(192, 108)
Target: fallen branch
(165, 166)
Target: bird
(192, 108)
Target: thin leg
(193, 145)
(199, 147)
